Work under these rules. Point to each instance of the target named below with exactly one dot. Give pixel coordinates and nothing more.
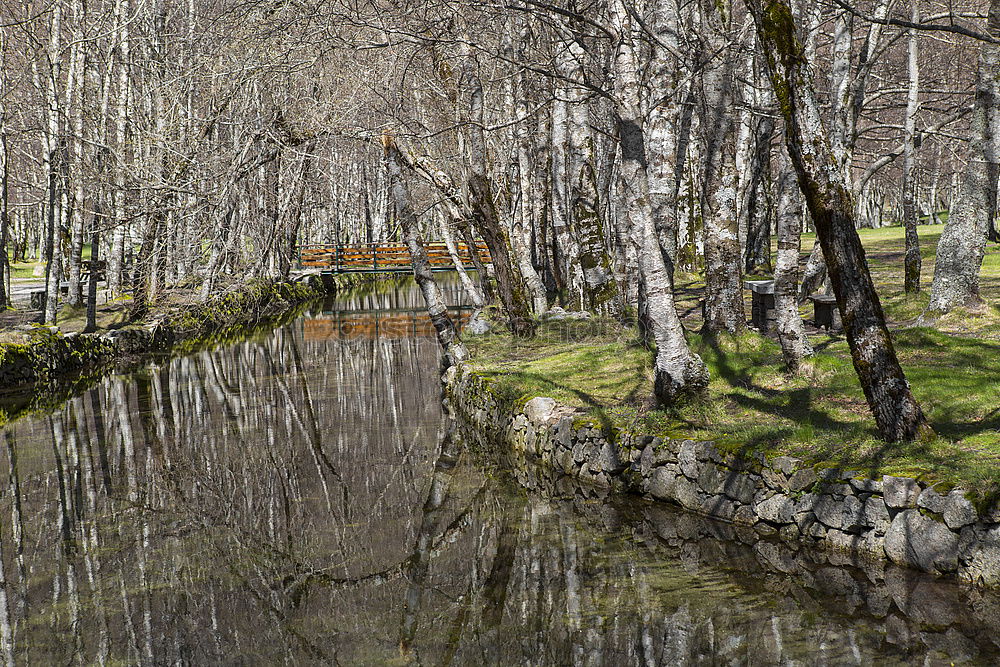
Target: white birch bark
(116, 255)
(791, 332)
(76, 106)
(723, 270)
(520, 238)
(678, 372)
(51, 166)
(962, 246)
(911, 259)
(447, 334)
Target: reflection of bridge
(347, 324)
(383, 257)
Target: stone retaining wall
(892, 518)
(43, 354)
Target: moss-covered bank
(41, 368)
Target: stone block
(609, 460)
(959, 510)
(540, 409)
(981, 560)
(917, 541)
(862, 485)
(845, 515)
(900, 492)
(774, 479)
(719, 507)
(744, 516)
(876, 514)
(661, 483)
(802, 479)
(711, 479)
(931, 500)
(776, 509)
(741, 487)
(789, 533)
(787, 465)
(686, 494)
(688, 459)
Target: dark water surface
(301, 498)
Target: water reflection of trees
(294, 500)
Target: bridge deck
(383, 257)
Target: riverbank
(42, 366)
(797, 457)
(906, 521)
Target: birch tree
(897, 414)
(962, 246)
(679, 373)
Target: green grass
(26, 269)
(821, 416)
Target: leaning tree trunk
(447, 334)
(510, 283)
(679, 373)
(963, 242)
(897, 413)
(471, 289)
(791, 333)
(814, 273)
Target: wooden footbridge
(384, 257)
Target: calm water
(301, 498)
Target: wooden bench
(826, 314)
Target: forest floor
(820, 416)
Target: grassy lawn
(822, 416)
(27, 269)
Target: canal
(301, 497)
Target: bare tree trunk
(756, 209)
(51, 167)
(76, 106)
(591, 265)
(95, 246)
(814, 274)
(561, 248)
(911, 260)
(723, 275)
(840, 92)
(897, 413)
(470, 287)
(963, 242)
(447, 334)
(522, 222)
(668, 123)
(116, 256)
(510, 283)
(4, 195)
(678, 372)
(791, 333)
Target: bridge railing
(383, 257)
